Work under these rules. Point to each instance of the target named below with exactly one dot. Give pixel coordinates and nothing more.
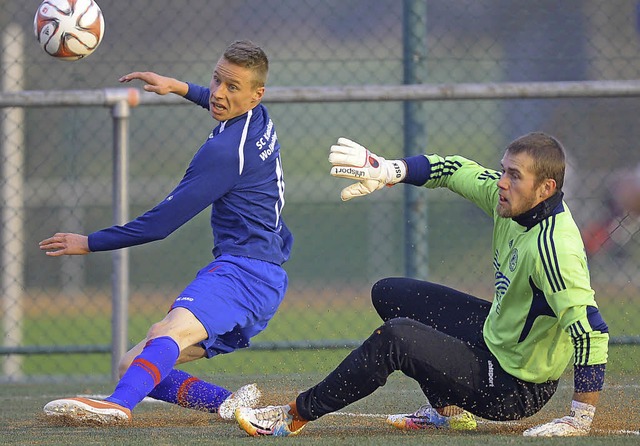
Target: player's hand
(65, 244)
(372, 172)
(156, 83)
(578, 423)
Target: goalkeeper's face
(520, 190)
(234, 90)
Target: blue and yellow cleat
(426, 417)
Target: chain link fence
(61, 178)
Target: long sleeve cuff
(418, 170)
(588, 378)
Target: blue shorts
(234, 298)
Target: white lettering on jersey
(270, 149)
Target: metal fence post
(12, 220)
(414, 63)
(120, 281)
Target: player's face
(233, 91)
(518, 191)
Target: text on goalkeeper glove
(353, 161)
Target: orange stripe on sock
(150, 368)
(183, 391)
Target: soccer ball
(69, 29)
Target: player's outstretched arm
(371, 172)
(156, 83)
(64, 243)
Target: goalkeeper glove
(576, 424)
(352, 161)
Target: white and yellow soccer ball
(69, 29)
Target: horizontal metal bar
(625, 340)
(433, 92)
(70, 98)
(346, 93)
(439, 92)
(323, 344)
(53, 349)
(307, 345)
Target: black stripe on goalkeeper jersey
(489, 175)
(581, 343)
(539, 307)
(548, 254)
(445, 168)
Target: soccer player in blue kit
(238, 172)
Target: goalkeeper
(499, 360)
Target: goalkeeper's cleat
(271, 420)
(426, 417)
(81, 410)
(464, 421)
(245, 396)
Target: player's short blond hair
(247, 54)
(547, 153)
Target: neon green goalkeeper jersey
(543, 308)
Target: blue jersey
(238, 172)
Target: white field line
(488, 422)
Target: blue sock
(146, 371)
(188, 391)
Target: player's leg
(184, 389)
(153, 363)
(188, 391)
(464, 374)
(447, 310)
(440, 363)
(450, 311)
(227, 294)
(188, 354)
(242, 295)
(165, 340)
(419, 351)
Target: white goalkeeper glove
(576, 424)
(372, 172)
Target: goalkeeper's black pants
(432, 334)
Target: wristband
(582, 411)
(397, 171)
(418, 170)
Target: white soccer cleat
(245, 396)
(271, 420)
(83, 410)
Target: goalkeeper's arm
(588, 382)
